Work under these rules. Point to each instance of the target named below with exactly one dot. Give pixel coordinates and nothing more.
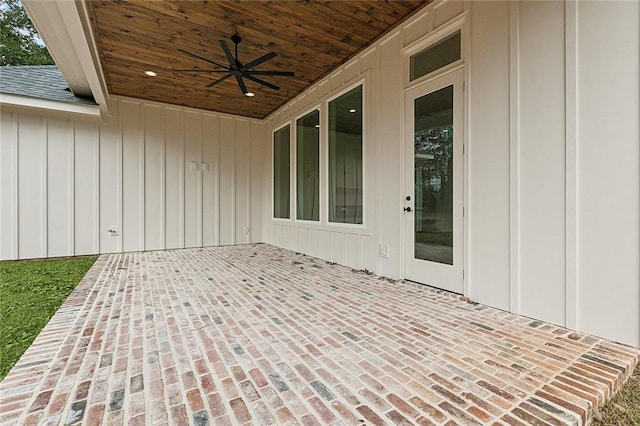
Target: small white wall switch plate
(205, 167)
(114, 231)
(383, 250)
(246, 230)
(194, 165)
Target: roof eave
(63, 26)
(10, 101)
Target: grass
(624, 408)
(30, 293)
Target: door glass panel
(433, 164)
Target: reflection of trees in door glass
(434, 157)
(433, 175)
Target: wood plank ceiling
(311, 38)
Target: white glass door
(433, 206)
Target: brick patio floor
(259, 335)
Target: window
(308, 167)
(345, 158)
(444, 52)
(281, 173)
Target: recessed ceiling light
(250, 94)
(150, 73)
(352, 110)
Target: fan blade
(209, 71)
(264, 83)
(227, 52)
(261, 59)
(241, 84)
(283, 73)
(200, 57)
(213, 83)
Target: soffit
(311, 38)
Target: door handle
(407, 209)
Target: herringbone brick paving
(256, 334)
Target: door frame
(455, 73)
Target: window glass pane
(443, 53)
(345, 158)
(281, 173)
(307, 167)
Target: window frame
(323, 106)
(457, 34)
(273, 173)
(429, 40)
(321, 166)
(325, 125)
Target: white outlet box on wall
(114, 231)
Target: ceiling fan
(237, 69)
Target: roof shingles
(39, 81)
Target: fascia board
(23, 102)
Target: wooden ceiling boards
(311, 38)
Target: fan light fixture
(150, 73)
(238, 70)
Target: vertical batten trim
(201, 184)
(120, 175)
(15, 231)
(183, 178)
(571, 157)
(96, 192)
(72, 191)
(401, 227)
(233, 182)
(44, 188)
(250, 185)
(163, 181)
(467, 84)
(17, 191)
(99, 224)
(430, 21)
(514, 159)
(268, 232)
(376, 87)
(216, 201)
(141, 172)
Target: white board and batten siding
(165, 177)
(552, 179)
(605, 172)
